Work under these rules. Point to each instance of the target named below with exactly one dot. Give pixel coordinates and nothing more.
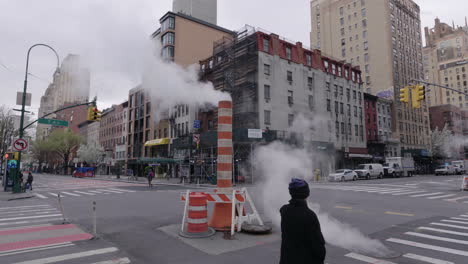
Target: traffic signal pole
(440, 86)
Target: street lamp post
(21, 132)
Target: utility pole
(16, 187)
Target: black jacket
(302, 239)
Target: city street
(423, 219)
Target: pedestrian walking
(301, 236)
(150, 178)
(30, 180)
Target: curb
(17, 198)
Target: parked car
(368, 171)
(343, 175)
(444, 170)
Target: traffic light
(94, 114)
(404, 94)
(418, 95)
(11, 156)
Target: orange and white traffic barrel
(197, 217)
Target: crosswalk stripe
(427, 246)
(114, 261)
(30, 211)
(112, 191)
(367, 259)
(453, 221)
(405, 193)
(30, 221)
(40, 196)
(426, 194)
(54, 194)
(456, 199)
(458, 241)
(28, 217)
(70, 256)
(21, 207)
(459, 218)
(447, 225)
(464, 215)
(72, 194)
(97, 192)
(32, 249)
(426, 259)
(123, 190)
(442, 196)
(85, 193)
(443, 231)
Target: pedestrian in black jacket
(301, 236)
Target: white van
(368, 171)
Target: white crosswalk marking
(28, 217)
(367, 259)
(96, 192)
(114, 261)
(453, 221)
(458, 241)
(22, 207)
(427, 246)
(405, 193)
(426, 194)
(87, 193)
(453, 226)
(112, 191)
(62, 258)
(441, 196)
(121, 190)
(427, 259)
(40, 196)
(53, 194)
(459, 218)
(456, 199)
(443, 231)
(71, 194)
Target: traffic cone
(221, 218)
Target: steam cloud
(169, 84)
(277, 164)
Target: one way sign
(20, 144)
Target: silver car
(343, 175)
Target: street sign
(196, 124)
(254, 133)
(19, 99)
(53, 122)
(20, 144)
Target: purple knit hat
(299, 189)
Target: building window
(355, 111)
(308, 60)
(289, 53)
(168, 39)
(342, 21)
(290, 120)
(267, 117)
(168, 52)
(328, 105)
(342, 128)
(310, 83)
(341, 108)
(366, 45)
(290, 98)
(364, 34)
(363, 12)
(364, 23)
(342, 31)
(367, 68)
(311, 102)
(169, 23)
(289, 76)
(266, 45)
(341, 10)
(267, 92)
(266, 69)
(366, 57)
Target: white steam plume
(169, 84)
(277, 163)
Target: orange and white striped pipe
(224, 168)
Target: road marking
(367, 259)
(72, 194)
(29, 222)
(120, 190)
(464, 242)
(447, 225)
(427, 259)
(28, 217)
(12, 228)
(404, 193)
(54, 194)
(456, 199)
(40, 196)
(443, 231)
(112, 191)
(84, 193)
(452, 221)
(344, 207)
(20, 207)
(29, 211)
(97, 192)
(458, 218)
(464, 215)
(426, 194)
(70, 256)
(427, 246)
(442, 196)
(114, 261)
(396, 213)
(32, 249)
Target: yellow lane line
(397, 213)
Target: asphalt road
(420, 219)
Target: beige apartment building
(185, 40)
(383, 37)
(445, 63)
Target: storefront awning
(157, 160)
(158, 142)
(364, 156)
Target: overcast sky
(113, 38)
